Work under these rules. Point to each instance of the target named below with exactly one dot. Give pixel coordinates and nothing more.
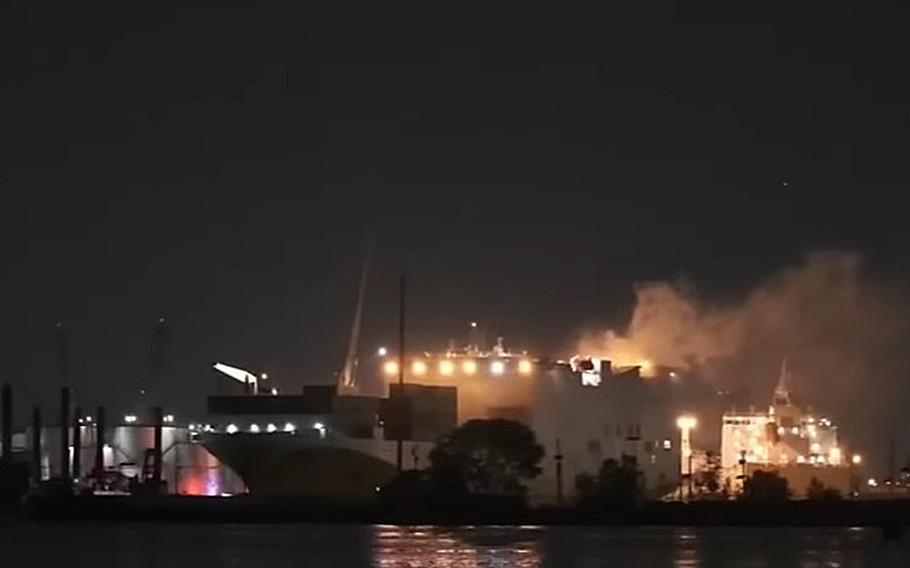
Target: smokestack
(77, 443)
(36, 444)
(64, 433)
(100, 420)
(6, 437)
(157, 416)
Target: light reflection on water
(639, 547)
(457, 547)
(175, 545)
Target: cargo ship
(335, 441)
(323, 445)
(330, 442)
(345, 440)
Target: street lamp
(686, 422)
(685, 425)
(855, 460)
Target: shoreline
(892, 516)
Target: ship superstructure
(799, 445)
(586, 407)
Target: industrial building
(187, 467)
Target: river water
(135, 545)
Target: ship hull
(300, 466)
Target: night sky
(221, 167)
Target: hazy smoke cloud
(843, 332)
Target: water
(131, 545)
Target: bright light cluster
(449, 367)
(253, 428)
(812, 442)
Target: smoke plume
(842, 331)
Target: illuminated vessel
(340, 441)
(322, 445)
(795, 444)
(583, 410)
(330, 441)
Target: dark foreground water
(127, 545)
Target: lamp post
(742, 475)
(400, 406)
(691, 475)
(685, 425)
(558, 459)
(855, 460)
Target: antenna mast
(399, 408)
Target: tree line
(496, 458)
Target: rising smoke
(843, 332)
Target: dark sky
(220, 166)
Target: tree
(618, 484)
(766, 487)
(708, 480)
(489, 457)
(585, 487)
(818, 491)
